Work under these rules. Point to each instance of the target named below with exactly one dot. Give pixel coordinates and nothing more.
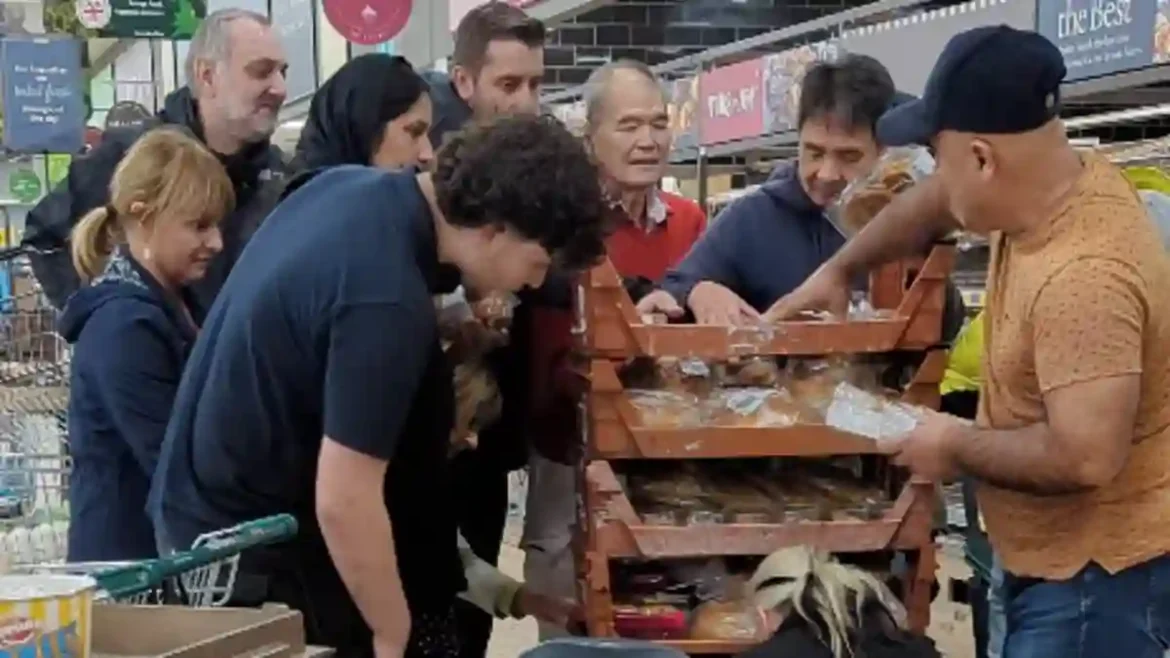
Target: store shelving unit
(611, 527)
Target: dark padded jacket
(48, 225)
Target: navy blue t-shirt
(326, 326)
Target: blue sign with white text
(44, 105)
(1100, 37)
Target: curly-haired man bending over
(318, 381)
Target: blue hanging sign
(44, 107)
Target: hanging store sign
(1102, 37)
(44, 108)
(757, 97)
(683, 109)
(783, 76)
(731, 103)
(142, 19)
(368, 22)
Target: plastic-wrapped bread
(897, 170)
(728, 620)
(666, 409)
(861, 412)
(752, 371)
(754, 407)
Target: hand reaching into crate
(826, 290)
(713, 303)
(660, 302)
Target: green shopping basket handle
(121, 582)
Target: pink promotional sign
(731, 103)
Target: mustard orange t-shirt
(1084, 296)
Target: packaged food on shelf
(750, 371)
(650, 622)
(695, 493)
(897, 170)
(755, 407)
(666, 409)
(736, 620)
(862, 412)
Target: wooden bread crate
(612, 328)
(616, 429)
(612, 528)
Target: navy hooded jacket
(130, 341)
(762, 246)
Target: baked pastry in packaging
(684, 376)
(751, 371)
(661, 409)
(861, 412)
(754, 407)
(897, 169)
(728, 620)
(469, 331)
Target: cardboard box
(124, 631)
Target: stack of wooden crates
(609, 526)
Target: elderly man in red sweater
(628, 131)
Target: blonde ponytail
(829, 596)
(92, 241)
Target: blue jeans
(996, 614)
(1092, 615)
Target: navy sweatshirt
(130, 342)
(762, 246)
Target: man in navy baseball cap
(992, 80)
(1072, 444)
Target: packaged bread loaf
(661, 409)
(750, 371)
(897, 170)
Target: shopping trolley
(34, 396)
(202, 576)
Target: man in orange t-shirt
(1071, 447)
(628, 132)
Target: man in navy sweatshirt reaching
(766, 243)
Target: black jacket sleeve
(47, 227)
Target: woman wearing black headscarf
(375, 110)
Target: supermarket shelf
(616, 430)
(614, 330)
(621, 533)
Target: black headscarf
(349, 112)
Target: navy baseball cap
(992, 80)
